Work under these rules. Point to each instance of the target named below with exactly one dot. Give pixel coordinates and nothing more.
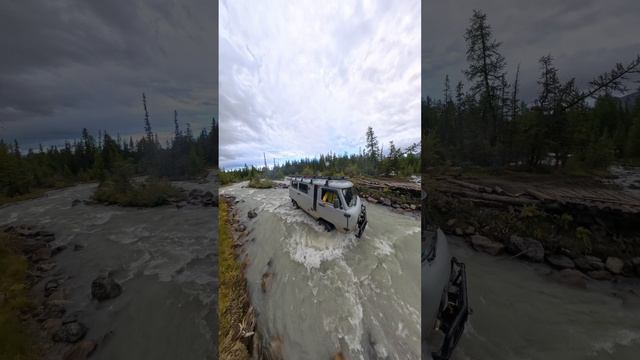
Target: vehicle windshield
(350, 196)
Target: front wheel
(327, 225)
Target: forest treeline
(89, 158)
(370, 161)
(485, 122)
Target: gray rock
(527, 248)
(81, 351)
(570, 277)
(486, 245)
(614, 265)
(372, 200)
(451, 222)
(241, 228)
(469, 230)
(251, 214)
(589, 263)
(561, 262)
(386, 201)
(104, 288)
(58, 249)
(41, 254)
(458, 231)
(51, 286)
(76, 202)
(600, 275)
(70, 332)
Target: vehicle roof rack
(314, 177)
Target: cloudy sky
(586, 37)
(302, 78)
(71, 64)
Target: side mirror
(336, 204)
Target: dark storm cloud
(71, 64)
(585, 37)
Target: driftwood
(579, 198)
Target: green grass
(260, 183)
(233, 301)
(152, 192)
(16, 341)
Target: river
(164, 257)
(331, 292)
(520, 313)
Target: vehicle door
(331, 208)
(305, 196)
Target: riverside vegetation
(112, 161)
(499, 169)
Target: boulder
(45, 267)
(469, 230)
(265, 283)
(395, 205)
(589, 263)
(251, 214)
(43, 253)
(241, 228)
(458, 231)
(451, 222)
(527, 248)
(600, 275)
(486, 245)
(412, 207)
(561, 262)
(104, 288)
(53, 310)
(76, 202)
(51, 326)
(51, 286)
(385, 201)
(614, 265)
(372, 200)
(58, 249)
(80, 351)
(70, 332)
(570, 277)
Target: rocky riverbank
(236, 316)
(59, 334)
(578, 224)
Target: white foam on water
(619, 338)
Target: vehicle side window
(294, 184)
(303, 187)
(331, 198)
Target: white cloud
(302, 78)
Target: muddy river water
(331, 292)
(520, 313)
(164, 257)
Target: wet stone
(486, 245)
(71, 332)
(561, 262)
(104, 288)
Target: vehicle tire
(327, 225)
(295, 204)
